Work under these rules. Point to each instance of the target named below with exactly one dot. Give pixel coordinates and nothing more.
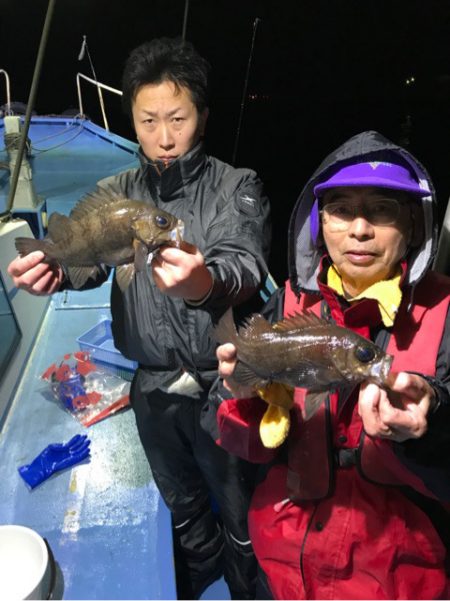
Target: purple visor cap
(377, 174)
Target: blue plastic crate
(99, 342)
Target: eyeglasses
(381, 211)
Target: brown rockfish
(109, 229)
(302, 351)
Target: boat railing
(8, 92)
(100, 87)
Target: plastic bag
(87, 390)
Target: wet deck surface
(104, 519)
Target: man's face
(364, 243)
(166, 121)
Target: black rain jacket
(226, 215)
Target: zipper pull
(279, 506)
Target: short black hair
(166, 59)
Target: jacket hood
(303, 253)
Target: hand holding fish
(275, 423)
(227, 356)
(399, 411)
(181, 272)
(31, 273)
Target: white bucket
(24, 564)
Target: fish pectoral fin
(308, 375)
(245, 375)
(274, 426)
(124, 275)
(79, 275)
(140, 255)
(313, 401)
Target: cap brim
(372, 182)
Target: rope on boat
(78, 132)
(12, 140)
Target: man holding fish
(353, 504)
(209, 225)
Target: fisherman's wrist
(440, 404)
(438, 420)
(218, 287)
(201, 301)
(441, 396)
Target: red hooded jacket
(323, 527)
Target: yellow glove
(275, 423)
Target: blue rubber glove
(54, 458)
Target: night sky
(321, 71)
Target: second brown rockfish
(302, 351)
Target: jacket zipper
(279, 507)
(303, 548)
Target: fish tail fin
(25, 246)
(225, 330)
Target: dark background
(321, 71)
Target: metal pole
(8, 92)
(244, 93)
(30, 105)
(186, 10)
(99, 91)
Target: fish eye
(162, 221)
(364, 353)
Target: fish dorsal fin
(94, 202)
(255, 325)
(124, 275)
(59, 227)
(299, 321)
